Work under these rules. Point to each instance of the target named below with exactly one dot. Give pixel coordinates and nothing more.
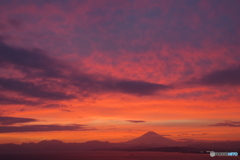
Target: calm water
(106, 155)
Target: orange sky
(113, 70)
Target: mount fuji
(152, 138)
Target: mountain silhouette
(152, 138)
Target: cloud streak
(32, 90)
(227, 124)
(229, 77)
(136, 87)
(136, 121)
(29, 60)
(15, 120)
(11, 100)
(43, 128)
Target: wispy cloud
(227, 124)
(11, 100)
(200, 134)
(136, 121)
(229, 77)
(43, 128)
(15, 120)
(31, 89)
(30, 61)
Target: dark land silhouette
(150, 141)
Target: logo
(212, 153)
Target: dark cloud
(228, 124)
(135, 87)
(42, 128)
(36, 64)
(32, 90)
(139, 87)
(222, 77)
(14, 120)
(94, 84)
(10, 100)
(201, 134)
(136, 121)
(28, 60)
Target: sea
(112, 155)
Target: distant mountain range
(150, 141)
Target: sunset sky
(112, 70)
